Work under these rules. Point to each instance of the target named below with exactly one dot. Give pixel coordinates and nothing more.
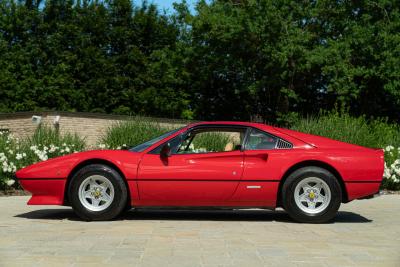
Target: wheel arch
(309, 163)
(90, 162)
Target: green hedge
(131, 133)
(369, 133)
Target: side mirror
(165, 151)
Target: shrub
(131, 133)
(8, 158)
(370, 133)
(211, 141)
(392, 168)
(45, 143)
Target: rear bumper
(362, 189)
(44, 191)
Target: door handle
(261, 155)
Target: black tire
(288, 195)
(118, 204)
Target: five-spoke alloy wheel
(98, 192)
(311, 195)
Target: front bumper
(44, 191)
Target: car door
(258, 186)
(258, 148)
(197, 179)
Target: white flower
(10, 182)
(18, 156)
(42, 155)
(389, 148)
(387, 173)
(392, 172)
(53, 148)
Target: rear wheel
(98, 192)
(311, 195)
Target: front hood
(319, 141)
(61, 167)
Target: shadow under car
(193, 215)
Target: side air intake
(283, 144)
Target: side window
(259, 140)
(206, 140)
(212, 140)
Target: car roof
(232, 123)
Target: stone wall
(88, 125)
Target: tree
(232, 59)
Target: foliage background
(230, 59)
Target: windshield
(141, 147)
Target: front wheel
(98, 192)
(311, 195)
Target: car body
(243, 177)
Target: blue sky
(167, 4)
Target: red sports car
(212, 164)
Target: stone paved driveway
(365, 233)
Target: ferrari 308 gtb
(208, 165)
